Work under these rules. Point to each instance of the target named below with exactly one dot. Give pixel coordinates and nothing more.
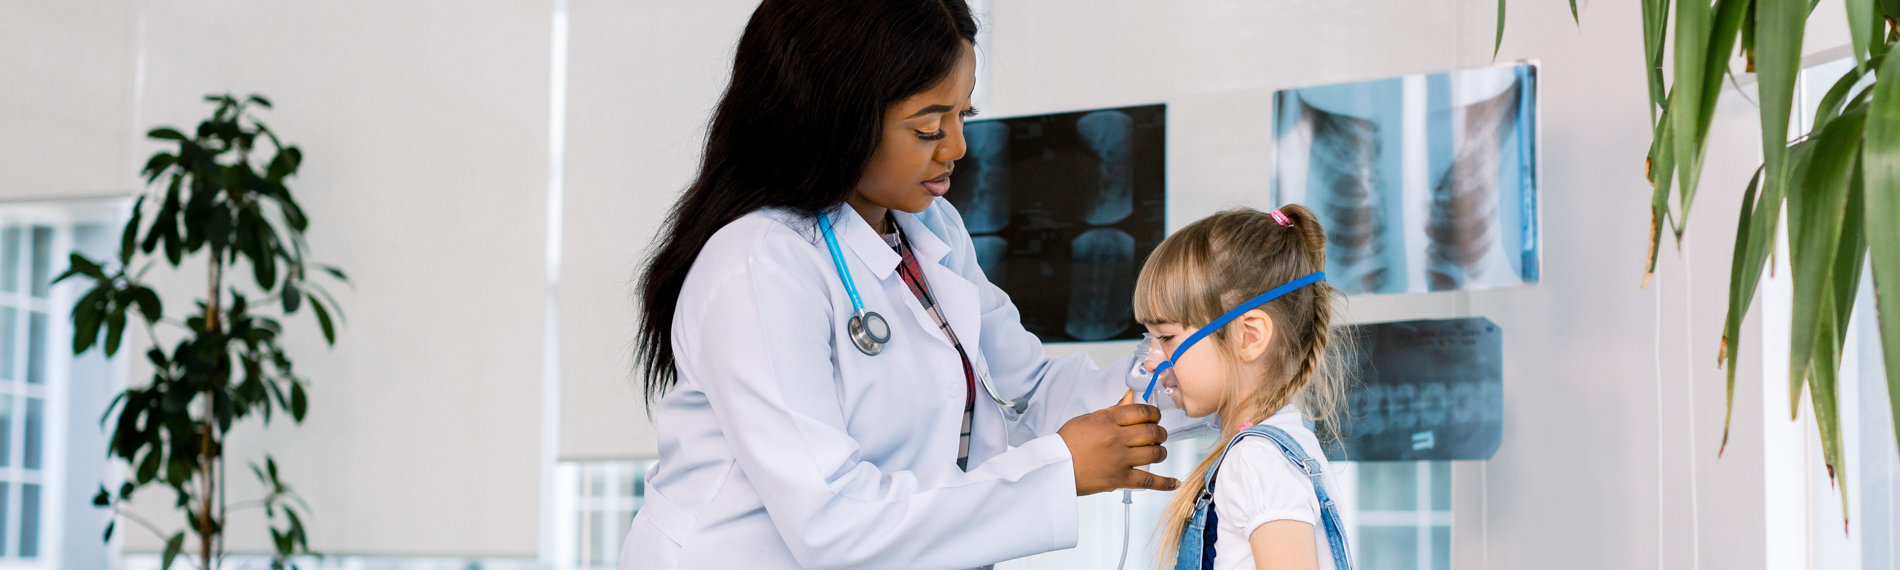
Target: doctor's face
(922, 139)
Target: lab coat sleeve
(761, 349)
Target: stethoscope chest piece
(869, 332)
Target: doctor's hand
(1107, 444)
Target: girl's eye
(932, 136)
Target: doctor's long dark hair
(796, 128)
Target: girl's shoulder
(1257, 482)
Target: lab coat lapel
(957, 295)
(882, 261)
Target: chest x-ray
(1424, 182)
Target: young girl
(1240, 313)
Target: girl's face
(923, 138)
(1197, 382)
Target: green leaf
(1660, 169)
(1863, 26)
(115, 330)
(1655, 29)
(172, 547)
(109, 526)
(1880, 169)
(128, 241)
(157, 166)
(1744, 273)
(1779, 25)
(259, 100)
(1830, 106)
(298, 405)
(1748, 39)
(79, 265)
(104, 498)
(323, 320)
(149, 305)
(166, 133)
(1824, 391)
(88, 316)
(335, 272)
(1815, 213)
(1685, 97)
(1573, 15)
(148, 469)
(293, 297)
(1499, 44)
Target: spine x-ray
(1422, 391)
(1063, 210)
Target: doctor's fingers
(1132, 414)
(1138, 479)
(1145, 455)
(1141, 434)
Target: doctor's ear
(1253, 334)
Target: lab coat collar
(923, 243)
(871, 249)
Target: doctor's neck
(872, 213)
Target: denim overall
(1197, 540)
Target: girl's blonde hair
(1214, 265)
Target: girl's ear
(1256, 334)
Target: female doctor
(842, 386)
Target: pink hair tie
(1280, 217)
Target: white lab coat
(783, 446)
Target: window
(51, 444)
(595, 502)
(1397, 513)
(1803, 507)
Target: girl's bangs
(1172, 288)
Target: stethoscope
(869, 332)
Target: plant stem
(209, 452)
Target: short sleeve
(1257, 485)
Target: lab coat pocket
(669, 519)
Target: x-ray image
(1063, 210)
(1424, 182)
(1423, 390)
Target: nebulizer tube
(1137, 377)
(1128, 511)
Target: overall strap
(1329, 512)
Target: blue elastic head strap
(1225, 318)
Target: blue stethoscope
(869, 331)
(1229, 316)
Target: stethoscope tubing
(1011, 409)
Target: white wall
(66, 108)
(643, 80)
(425, 127)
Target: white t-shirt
(1257, 484)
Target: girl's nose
(1155, 357)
